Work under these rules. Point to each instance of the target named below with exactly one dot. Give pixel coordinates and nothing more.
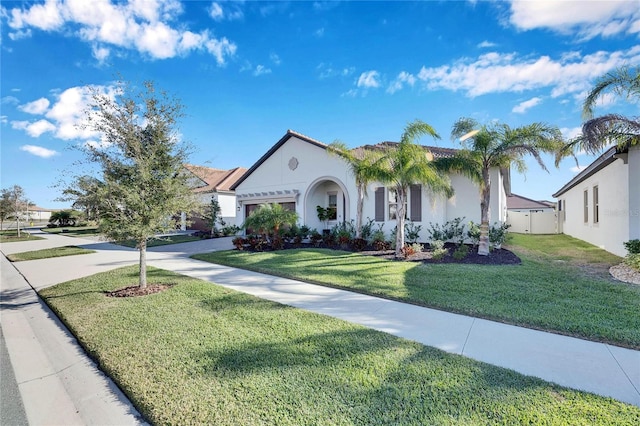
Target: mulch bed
(496, 257)
(135, 290)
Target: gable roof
(437, 151)
(515, 201)
(608, 157)
(215, 180)
(290, 133)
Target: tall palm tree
(363, 167)
(407, 163)
(498, 145)
(598, 132)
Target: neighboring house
(527, 216)
(601, 205)
(215, 184)
(299, 173)
(39, 214)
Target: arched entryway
(326, 191)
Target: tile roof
(437, 151)
(519, 202)
(215, 180)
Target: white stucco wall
(612, 228)
(228, 210)
(318, 173)
(634, 193)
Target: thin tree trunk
(400, 213)
(359, 212)
(483, 246)
(143, 263)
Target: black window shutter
(416, 203)
(380, 204)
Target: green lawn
(10, 236)
(74, 231)
(202, 354)
(163, 241)
(47, 253)
(542, 293)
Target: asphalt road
(11, 407)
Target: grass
(540, 294)
(202, 354)
(73, 231)
(562, 247)
(11, 236)
(162, 241)
(47, 253)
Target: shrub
(632, 246)
(315, 237)
(633, 261)
(411, 249)
(498, 234)
(452, 230)
(239, 242)
(412, 232)
(461, 252)
(230, 230)
(367, 229)
(359, 244)
(474, 233)
(438, 250)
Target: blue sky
(351, 71)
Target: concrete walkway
(53, 372)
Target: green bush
(439, 252)
(461, 252)
(633, 261)
(632, 246)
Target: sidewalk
(594, 367)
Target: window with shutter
(415, 202)
(379, 204)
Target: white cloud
(486, 44)
(35, 129)
(578, 169)
(38, 151)
(327, 71)
(507, 72)
(319, 32)
(230, 12)
(522, 107)
(584, 19)
(141, 25)
(275, 59)
(36, 107)
(402, 79)
(261, 70)
(369, 79)
(570, 132)
(7, 100)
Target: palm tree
(407, 163)
(598, 132)
(362, 165)
(498, 145)
(269, 219)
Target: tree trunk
(483, 246)
(142, 246)
(400, 213)
(359, 212)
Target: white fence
(533, 222)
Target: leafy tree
(363, 166)
(63, 218)
(599, 132)
(210, 214)
(14, 204)
(496, 146)
(407, 163)
(269, 219)
(86, 194)
(141, 160)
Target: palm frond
(622, 81)
(600, 132)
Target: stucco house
(209, 183)
(299, 173)
(527, 216)
(601, 205)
